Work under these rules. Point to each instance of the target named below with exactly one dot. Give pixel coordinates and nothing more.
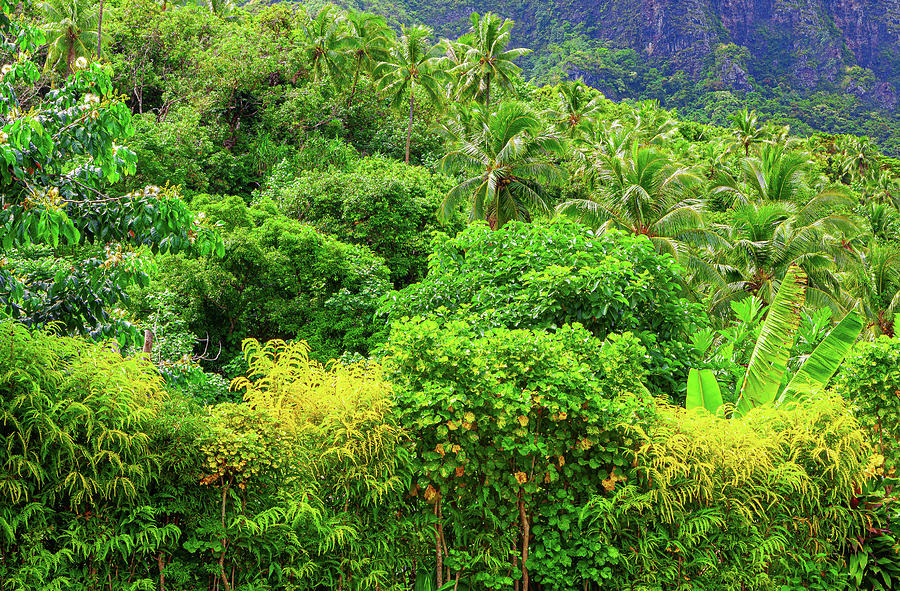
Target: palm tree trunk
(100, 29)
(70, 58)
(412, 99)
(355, 80)
(487, 93)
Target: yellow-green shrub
(716, 504)
(339, 421)
(71, 413)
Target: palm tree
(100, 30)
(224, 9)
(72, 28)
(578, 106)
(747, 130)
(411, 65)
(776, 174)
(650, 124)
(644, 192)
(873, 288)
(506, 155)
(767, 238)
(713, 155)
(885, 188)
(481, 58)
(368, 43)
(326, 43)
(856, 157)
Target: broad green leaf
(818, 368)
(703, 391)
(768, 362)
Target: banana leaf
(768, 362)
(818, 368)
(703, 391)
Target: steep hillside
(799, 60)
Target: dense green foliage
(413, 323)
(543, 277)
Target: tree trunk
(224, 538)
(100, 29)
(161, 563)
(526, 533)
(148, 341)
(70, 59)
(355, 80)
(487, 93)
(439, 561)
(412, 100)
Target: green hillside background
(816, 65)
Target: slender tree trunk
(100, 29)
(224, 538)
(70, 59)
(355, 80)
(148, 341)
(412, 100)
(439, 558)
(487, 93)
(161, 563)
(515, 560)
(526, 533)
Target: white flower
(92, 99)
(6, 69)
(81, 63)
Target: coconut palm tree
(72, 30)
(578, 106)
(776, 174)
(650, 124)
(767, 238)
(747, 130)
(410, 66)
(885, 188)
(856, 158)
(224, 9)
(368, 43)
(327, 45)
(506, 156)
(873, 288)
(712, 156)
(644, 192)
(481, 58)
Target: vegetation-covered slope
(815, 64)
(290, 299)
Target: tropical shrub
(349, 444)
(746, 504)
(279, 278)
(378, 203)
(870, 380)
(544, 276)
(515, 430)
(543, 458)
(73, 454)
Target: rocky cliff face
(810, 44)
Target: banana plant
(766, 370)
